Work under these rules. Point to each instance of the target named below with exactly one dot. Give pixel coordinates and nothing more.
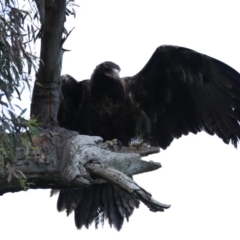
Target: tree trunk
(46, 93)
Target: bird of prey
(177, 92)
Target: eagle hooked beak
(113, 73)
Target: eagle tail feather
(98, 204)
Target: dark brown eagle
(177, 92)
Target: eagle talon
(113, 142)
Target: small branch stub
(116, 177)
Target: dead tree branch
(65, 159)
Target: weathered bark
(45, 100)
(65, 159)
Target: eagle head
(107, 70)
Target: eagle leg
(138, 145)
(114, 142)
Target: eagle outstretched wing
(184, 91)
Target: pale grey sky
(200, 175)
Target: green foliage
(19, 21)
(16, 65)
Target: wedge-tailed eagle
(177, 92)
